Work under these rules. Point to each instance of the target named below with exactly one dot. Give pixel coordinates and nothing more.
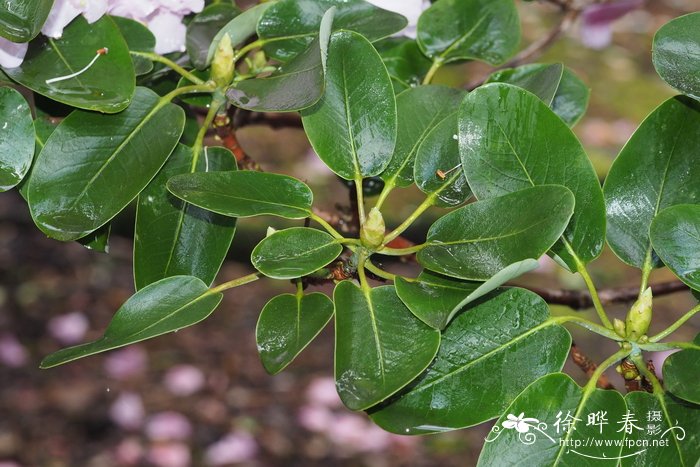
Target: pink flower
(411, 9)
(126, 363)
(235, 447)
(64, 11)
(169, 455)
(596, 21)
(127, 411)
(315, 418)
(168, 426)
(128, 452)
(69, 328)
(322, 391)
(184, 380)
(12, 353)
(11, 53)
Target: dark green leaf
(380, 346)
(97, 240)
(16, 138)
(489, 353)
(21, 20)
(541, 80)
(289, 26)
(546, 442)
(173, 237)
(571, 99)
(139, 39)
(44, 126)
(295, 85)
(287, 324)
(295, 252)
(164, 306)
(353, 127)
(675, 235)
(436, 299)
(204, 27)
(657, 168)
(437, 168)
(681, 373)
(674, 446)
(676, 53)
(404, 61)
(419, 110)
(244, 194)
(486, 30)
(107, 86)
(509, 139)
(480, 239)
(93, 165)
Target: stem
(663, 346)
(642, 367)
(360, 199)
(437, 63)
(646, 271)
(379, 272)
(170, 64)
(589, 325)
(401, 251)
(244, 50)
(329, 228)
(235, 283)
(610, 361)
(366, 289)
(672, 328)
(216, 104)
(206, 87)
(581, 268)
(388, 187)
(411, 219)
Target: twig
(588, 366)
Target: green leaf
(419, 110)
(486, 30)
(657, 168)
(287, 324)
(501, 154)
(679, 446)
(295, 252)
(489, 353)
(294, 86)
(289, 26)
(97, 240)
(404, 61)
(138, 39)
(480, 239)
(675, 235)
(437, 168)
(436, 299)
(681, 371)
(93, 165)
(204, 27)
(21, 20)
(546, 442)
(239, 29)
(353, 127)
(570, 97)
(245, 193)
(107, 86)
(44, 126)
(16, 138)
(173, 237)
(676, 53)
(380, 346)
(164, 306)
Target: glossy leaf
(545, 442)
(289, 26)
(353, 127)
(44, 126)
(486, 30)
(676, 53)
(656, 169)
(478, 240)
(239, 28)
(404, 61)
(97, 240)
(509, 139)
(419, 110)
(489, 353)
(681, 371)
(174, 238)
(380, 346)
(675, 446)
(107, 86)
(436, 299)
(16, 138)
(437, 167)
(204, 27)
(93, 165)
(294, 86)
(294, 252)
(164, 306)
(675, 235)
(287, 324)
(138, 39)
(245, 193)
(21, 20)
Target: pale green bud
(372, 233)
(619, 327)
(639, 316)
(222, 64)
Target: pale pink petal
(92, 10)
(596, 36)
(135, 9)
(169, 31)
(129, 452)
(182, 7)
(69, 328)
(126, 363)
(597, 19)
(168, 426)
(127, 411)
(235, 447)
(61, 14)
(169, 455)
(184, 380)
(411, 9)
(12, 353)
(12, 53)
(322, 391)
(315, 418)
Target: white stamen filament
(102, 51)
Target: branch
(580, 299)
(588, 366)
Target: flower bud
(222, 64)
(372, 233)
(619, 327)
(639, 316)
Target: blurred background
(201, 396)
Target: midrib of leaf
(662, 402)
(515, 153)
(242, 198)
(306, 252)
(457, 42)
(375, 331)
(348, 122)
(65, 61)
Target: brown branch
(579, 299)
(588, 366)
